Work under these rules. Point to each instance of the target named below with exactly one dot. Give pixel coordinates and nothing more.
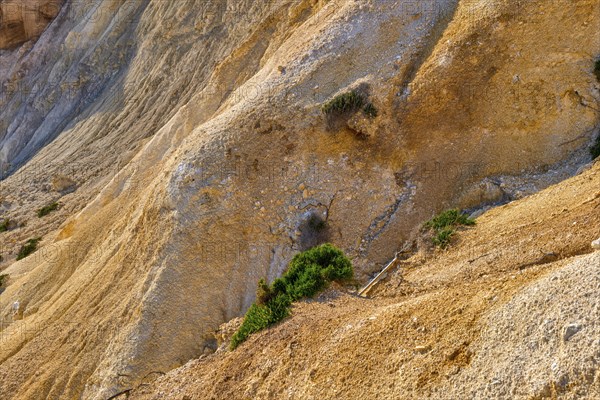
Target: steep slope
(194, 135)
(489, 318)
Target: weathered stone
(63, 184)
(23, 20)
(571, 330)
(152, 108)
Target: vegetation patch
(47, 209)
(344, 103)
(443, 237)
(2, 280)
(370, 110)
(444, 226)
(308, 273)
(348, 103)
(597, 69)
(28, 248)
(5, 225)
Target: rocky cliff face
(509, 312)
(23, 20)
(192, 151)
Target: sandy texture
(463, 323)
(194, 136)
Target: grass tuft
(4, 226)
(344, 103)
(444, 226)
(28, 248)
(370, 111)
(443, 237)
(47, 209)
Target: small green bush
(344, 103)
(309, 272)
(2, 279)
(4, 225)
(47, 209)
(28, 248)
(449, 218)
(370, 111)
(597, 69)
(263, 292)
(443, 237)
(257, 318)
(595, 149)
(444, 226)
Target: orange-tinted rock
(23, 20)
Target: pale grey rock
(571, 330)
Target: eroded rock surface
(485, 319)
(23, 20)
(193, 135)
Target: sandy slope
(194, 134)
(485, 320)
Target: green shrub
(28, 248)
(263, 292)
(444, 225)
(4, 225)
(344, 103)
(443, 237)
(449, 218)
(597, 69)
(370, 110)
(309, 272)
(279, 308)
(2, 279)
(595, 149)
(257, 318)
(47, 209)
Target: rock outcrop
(23, 20)
(486, 319)
(193, 137)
